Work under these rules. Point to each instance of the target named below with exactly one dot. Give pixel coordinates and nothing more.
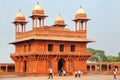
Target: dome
(38, 10)
(59, 20)
(80, 13)
(20, 16)
(37, 7)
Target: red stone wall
(42, 46)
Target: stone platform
(88, 77)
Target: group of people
(78, 73)
(62, 72)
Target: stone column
(22, 66)
(36, 22)
(15, 28)
(100, 67)
(90, 67)
(0, 68)
(79, 25)
(82, 25)
(75, 26)
(96, 67)
(6, 68)
(35, 66)
(85, 25)
(42, 22)
(39, 22)
(32, 23)
(18, 27)
(24, 28)
(107, 67)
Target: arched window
(104, 67)
(109, 68)
(88, 67)
(93, 67)
(98, 67)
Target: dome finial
(59, 14)
(59, 17)
(81, 11)
(20, 14)
(38, 3)
(19, 10)
(80, 6)
(37, 7)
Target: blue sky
(104, 26)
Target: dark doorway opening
(61, 63)
(25, 66)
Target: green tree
(111, 59)
(118, 57)
(98, 55)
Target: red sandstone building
(55, 47)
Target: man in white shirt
(79, 73)
(50, 74)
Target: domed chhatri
(38, 16)
(59, 20)
(38, 10)
(80, 13)
(20, 16)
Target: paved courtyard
(88, 77)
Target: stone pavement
(88, 77)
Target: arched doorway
(61, 64)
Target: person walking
(79, 73)
(64, 73)
(116, 69)
(76, 73)
(50, 74)
(115, 73)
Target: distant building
(55, 47)
(103, 67)
(7, 68)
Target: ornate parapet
(43, 33)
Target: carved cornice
(41, 57)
